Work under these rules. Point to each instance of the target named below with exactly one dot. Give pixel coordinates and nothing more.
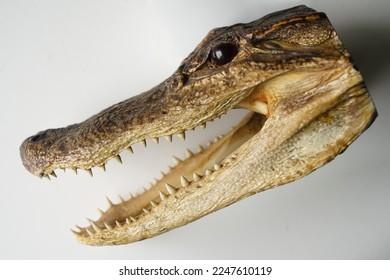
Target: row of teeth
(156, 140)
(170, 190)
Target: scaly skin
(289, 68)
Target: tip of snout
(30, 154)
(24, 156)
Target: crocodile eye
(223, 53)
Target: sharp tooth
(63, 169)
(127, 221)
(89, 172)
(47, 176)
(184, 181)
(108, 226)
(146, 210)
(103, 166)
(260, 107)
(209, 143)
(169, 138)
(110, 203)
(74, 169)
(171, 189)
(189, 153)
(208, 172)
(95, 226)
(89, 232)
(133, 219)
(217, 166)
(100, 211)
(196, 177)
(156, 140)
(203, 125)
(75, 232)
(176, 160)
(79, 228)
(154, 204)
(121, 199)
(118, 158)
(130, 149)
(163, 174)
(143, 142)
(53, 174)
(163, 196)
(182, 135)
(118, 224)
(154, 181)
(200, 148)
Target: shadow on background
(370, 49)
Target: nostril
(38, 137)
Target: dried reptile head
(307, 101)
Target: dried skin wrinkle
(307, 103)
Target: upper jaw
(173, 107)
(163, 111)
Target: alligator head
(307, 103)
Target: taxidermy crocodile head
(306, 100)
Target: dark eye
(223, 53)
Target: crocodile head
(307, 103)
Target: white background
(62, 61)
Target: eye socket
(223, 53)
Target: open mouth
(307, 103)
(185, 176)
(181, 178)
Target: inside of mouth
(193, 168)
